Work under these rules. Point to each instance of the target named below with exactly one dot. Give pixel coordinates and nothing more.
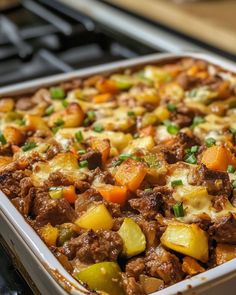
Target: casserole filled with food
(128, 178)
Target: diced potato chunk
(66, 161)
(13, 135)
(6, 105)
(72, 116)
(134, 241)
(103, 276)
(224, 253)
(130, 173)
(146, 143)
(188, 239)
(148, 95)
(191, 266)
(4, 160)
(96, 217)
(103, 146)
(34, 122)
(161, 113)
(49, 234)
(151, 284)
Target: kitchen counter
(211, 21)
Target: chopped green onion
(148, 190)
(171, 107)
(193, 92)
(86, 122)
(198, 120)
(79, 136)
(230, 169)
(82, 152)
(167, 123)
(210, 141)
(190, 158)
(234, 184)
(194, 149)
(49, 110)
(232, 130)
(83, 164)
(60, 122)
(20, 122)
(136, 158)
(131, 114)
(57, 93)
(124, 157)
(55, 130)
(65, 103)
(173, 129)
(2, 138)
(116, 163)
(29, 146)
(178, 210)
(91, 115)
(98, 128)
(176, 182)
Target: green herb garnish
(83, 164)
(210, 141)
(190, 158)
(49, 110)
(176, 182)
(57, 93)
(79, 136)
(230, 169)
(171, 107)
(29, 146)
(98, 128)
(178, 210)
(2, 138)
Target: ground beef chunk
(183, 116)
(216, 182)
(47, 210)
(70, 85)
(148, 203)
(94, 159)
(177, 151)
(131, 287)
(93, 247)
(150, 230)
(162, 264)
(135, 267)
(168, 200)
(6, 150)
(53, 150)
(219, 202)
(57, 179)
(85, 200)
(187, 82)
(10, 183)
(24, 104)
(24, 204)
(99, 176)
(224, 230)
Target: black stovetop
(37, 41)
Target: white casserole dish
(45, 270)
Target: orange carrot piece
(191, 266)
(107, 86)
(148, 131)
(218, 158)
(224, 253)
(131, 174)
(100, 98)
(103, 146)
(69, 194)
(114, 193)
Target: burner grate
(37, 40)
